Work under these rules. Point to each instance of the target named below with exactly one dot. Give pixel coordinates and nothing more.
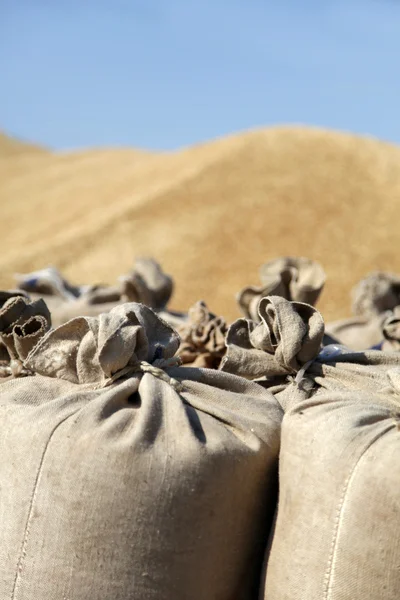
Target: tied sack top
(288, 336)
(102, 349)
(296, 279)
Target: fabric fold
(376, 294)
(202, 338)
(288, 336)
(391, 332)
(296, 279)
(93, 349)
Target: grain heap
(211, 214)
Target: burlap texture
(359, 333)
(391, 332)
(146, 284)
(47, 282)
(376, 294)
(174, 318)
(124, 478)
(336, 530)
(202, 338)
(373, 300)
(296, 279)
(22, 324)
(8, 294)
(288, 335)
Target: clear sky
(161, 74)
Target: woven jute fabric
(126, 477)
(391, 332)
(294, 278)
(376, 294)
(202, 338)
(22, 324)
(373, 300)
(336, 530)
(359, 333)
(146, 284)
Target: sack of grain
(47, 282)
(22, 324)
(202, 338)
(335, 535)
(391, 332)
(8, 294)
(149, 285)
(124, 477)
(373, 299)
(146, 284)
(358, 333)
(297, 279)
(269, 348)
(376, 294)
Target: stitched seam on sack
(31, 506)
(339, 516)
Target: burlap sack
(93, 303)
(373, 299)
(359, 333)
(391, 332)
(22, 324)
(376, 294)
(336, 531)
(8, 294)
(47, 282)
(50, 285)
(297, 279)
(287, 336)
(202, 338)
(146, 284)
(174, 318)
(122, 478)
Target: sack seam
(19, 567)
(339, 517)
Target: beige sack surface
(337, 527)
(146, 283)
(373, 300)
(376, 294)
(300, 279)
(359, 333)
(22, 324)
(391, 332)
(202, 338)
(124, 478)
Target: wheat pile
(210, 214)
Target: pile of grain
(210, 214)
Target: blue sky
(164, 74)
